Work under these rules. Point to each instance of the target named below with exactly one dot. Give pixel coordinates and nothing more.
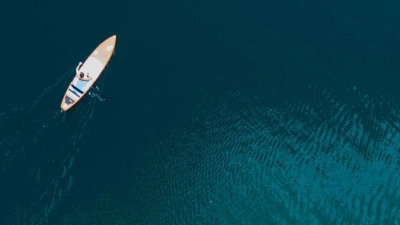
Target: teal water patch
(311, 159)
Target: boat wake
(38, 146)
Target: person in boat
(81, 75)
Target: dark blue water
(231, 112)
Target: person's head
(81, 74)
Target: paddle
(100, 96)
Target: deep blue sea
(216, 112)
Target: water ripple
(322, 161)
(311, 159)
